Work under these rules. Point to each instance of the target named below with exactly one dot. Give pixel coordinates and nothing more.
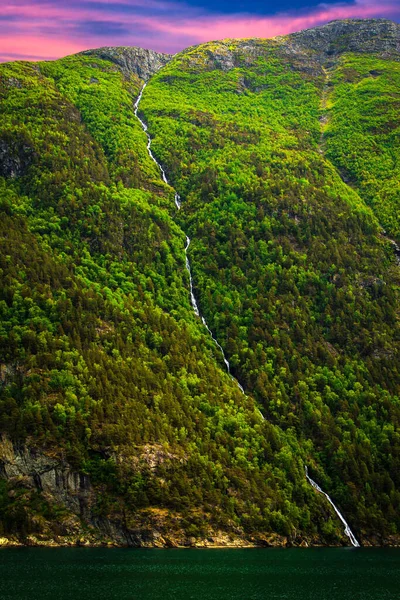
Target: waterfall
(192, 296)
(195, 307)
(347, 529)
(178, 206)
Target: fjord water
(213, 574)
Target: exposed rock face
(375, 36)
(15, 157)
(28, 468)
(133, 60)
(52, 476)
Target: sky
(47, 29)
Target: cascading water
(347, 529)
(178, 206)
(193, 301)
(144, 127)
(192, 296)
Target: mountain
(119, 421)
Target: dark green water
(290, 574)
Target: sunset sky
(41, 29)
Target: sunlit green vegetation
(363, 132)
(102, 358)
(289, 266)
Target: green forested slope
(103, 359)
(289, 265)
(103, 362)
(363, 132)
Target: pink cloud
(46, 29)
(31, 47)
(242, 26)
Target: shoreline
(33, 542)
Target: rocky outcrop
(132, 60)
(375, 36)
(51, 476)
(230, 54)
(15, 157)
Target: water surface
(212, 574)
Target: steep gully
(178, 206)
(193, 300)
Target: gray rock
(375, 36)
(15, 157)
(132, 60)
(50, 475)
(60, 484)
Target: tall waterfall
(195, 307)
(347, 529)
(178, 206)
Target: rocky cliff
(132, 60)
(375, 36)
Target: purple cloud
(38, 29)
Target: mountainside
(119, 420)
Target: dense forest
(286, 160)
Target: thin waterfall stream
(196, 310)
(187, 262)
(347, 529)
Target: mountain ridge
(384, 34)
